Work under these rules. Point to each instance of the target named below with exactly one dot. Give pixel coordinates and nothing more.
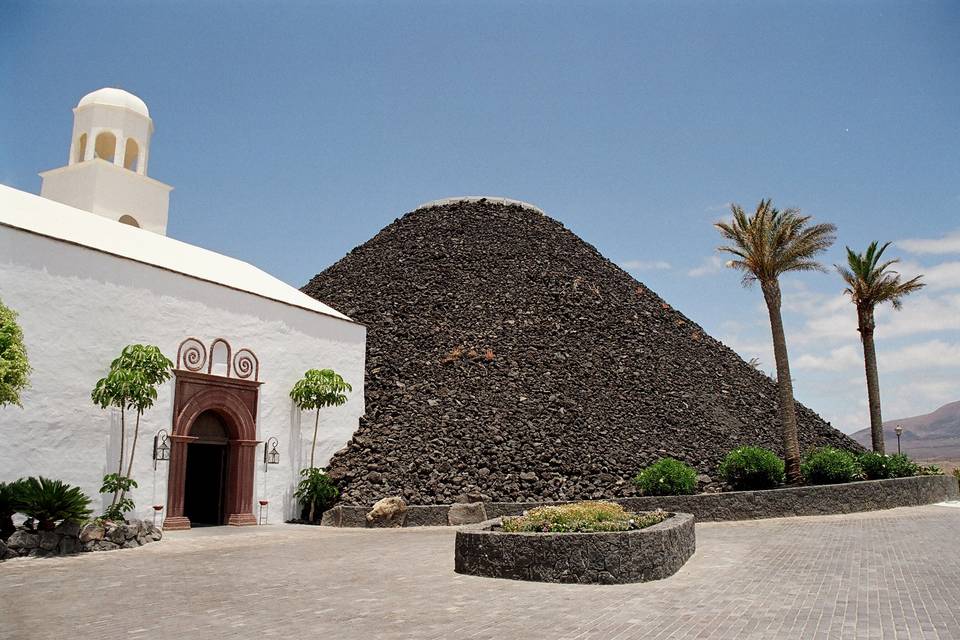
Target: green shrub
(828, 465)
(48, 501)
(582, 517)
(316, 492)
(667, 477)
(901, 466)
(9, 505)
(749, 468)
(119, 486)
(875, 465)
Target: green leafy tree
(765, 245)
(14, 367)
(317, 389)
(871, 282)
(131, 383)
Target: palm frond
(870, 282)
(772, 241)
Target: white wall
(79, 307)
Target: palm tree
(869, 283)
(764, 245)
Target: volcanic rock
(508, 357)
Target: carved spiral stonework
(193, 356)
(246, 365)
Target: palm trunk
(866, 325)
(788, 410)
(133, 449)
(314, 448)
(123, 444)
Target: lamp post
(898, 431)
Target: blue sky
(294, 131)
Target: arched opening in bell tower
(105, 146)
(131, 155)
(81, 148)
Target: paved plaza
(889, 574)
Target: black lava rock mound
(507, 357)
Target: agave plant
(48, 501)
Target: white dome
(116, 98)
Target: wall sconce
(161, 447)
(270, 453)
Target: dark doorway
(205, 480)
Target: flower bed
(607, 557)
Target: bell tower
(106, 172)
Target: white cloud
(932, 354)
(646, 265)
(711, 265)
(938, 277)
(920, 314)
(949, 243)
(718, 207)
(921, 355)
(839, 359)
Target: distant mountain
(931, 436)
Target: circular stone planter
(583, 558)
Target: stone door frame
(234, 400)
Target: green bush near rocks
(316, 492)
(901, 466)
(667, 477)
(751, 468)
(877, 466)
(828, 465)
(48, 501)
(874, 465)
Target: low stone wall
(582, 558)
(69, 538)
(851, 497)
(868, 495)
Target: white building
(85, 286)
